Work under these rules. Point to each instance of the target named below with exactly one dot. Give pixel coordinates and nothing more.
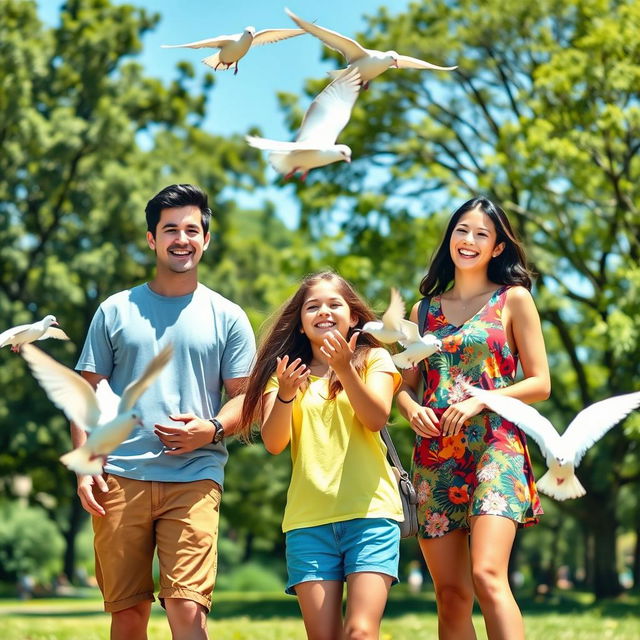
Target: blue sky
(249, 98)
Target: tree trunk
(636, 560)
(248, 547)
(76, 518)
(605, 574)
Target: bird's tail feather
(401, 361)
(80, 461)
(568, 489)
(213, 60)
(280, 162)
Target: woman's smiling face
(473, 241)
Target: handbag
(408, 495)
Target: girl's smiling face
(473, 241)
(324, 310)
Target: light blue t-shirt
(212, 341)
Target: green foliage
(29, 544)
(250, 577)
(87, 139)
(542, 116)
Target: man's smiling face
(179, 241)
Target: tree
(87, 138)
(542, 115)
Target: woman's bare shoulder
(519, 298)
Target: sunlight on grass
(274, 616)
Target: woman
(470, 467)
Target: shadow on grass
(266, 606)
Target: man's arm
(87, 484)
(198, 432)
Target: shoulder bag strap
(423, 309)
(392, 454)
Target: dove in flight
(369, 62)
(390, 329)
(25, 333)
(416, 347)
(315, 145)
(562, 453)
(232, 48)
(107, 417)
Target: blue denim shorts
(333, 551)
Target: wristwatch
(218, 433)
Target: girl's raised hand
(290, 376)
(338, 351)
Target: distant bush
(30, 544)
(250, 577)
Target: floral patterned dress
(485, 468)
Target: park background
(542, 116)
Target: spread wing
(523, 415)
(66, 389)
(54, 332)
(594, 421)
(138, 387)
(349, 48)
(9, 334)
(407, 62)
(411, 332)
(278, 146)
(330, 111)
(267, 36)
(394, 314)
(217, 42)
(108, 401)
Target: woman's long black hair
(510, 267)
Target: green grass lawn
(268, 616)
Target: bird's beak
(348, 160)
(56, 323)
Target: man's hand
(195, 433)
(86, 487)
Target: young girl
(327, 388)
(471, 468)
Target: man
(161, 488)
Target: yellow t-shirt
(340, 470)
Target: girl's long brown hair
(284, 337)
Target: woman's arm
(422, 419)
(522, 320)
(276, 423)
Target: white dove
(416, 347)
(369, 62)
(562, 453)
(390, 329)
(234, 47)
(315, 144)
(107, 417)
(25, 333)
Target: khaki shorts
(179, 518)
